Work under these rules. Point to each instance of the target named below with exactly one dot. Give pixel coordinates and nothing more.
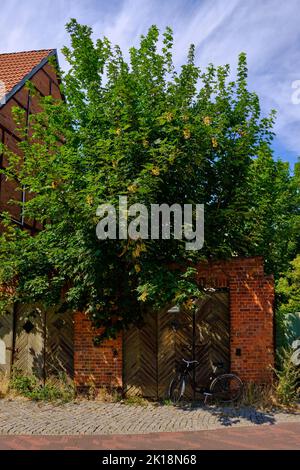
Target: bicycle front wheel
(226, 388)
(177, 389)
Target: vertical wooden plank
(140, 358)
(148, 356)
(6, 340)
(131, 366)
(166, 364)
(184, 342)
(59, 347)
(212, 331)
(29, 343)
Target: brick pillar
(251, 335)
(98, 366)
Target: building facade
(233, 322)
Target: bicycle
(224, 388)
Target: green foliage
(288, 375)
(167, 402)
(4, 384)
(287, 327)
(23, 384)
(288, 287)
(142, 129)
(52, 390)
(288, 304)
(135, 401)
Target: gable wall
(46, 82)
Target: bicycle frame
(188, 373)
(219, 384)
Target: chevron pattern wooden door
(183, 337)
(29, 355)
(212, 331)
(166, 352)
(43, 342)
(153, 352)
(6, 341)
(59, 344)
(140, 359)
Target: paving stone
(92, 418)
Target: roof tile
(15, 66)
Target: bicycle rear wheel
(176, 389)
(226, 388)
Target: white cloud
(267, 30)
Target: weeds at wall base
(58, 389)
(282, 394)
(4, 385)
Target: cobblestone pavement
(20, 417)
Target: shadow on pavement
(230, 415)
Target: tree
(288, 288)
(144, 130)
(288, 305)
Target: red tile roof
(15, 66)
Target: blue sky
(267, 30)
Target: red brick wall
(95, 366)
(251, 314)
(251, 327)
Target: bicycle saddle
(190, 362)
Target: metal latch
(8, 348)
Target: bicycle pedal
(207, 394)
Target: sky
(267, 30)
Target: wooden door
(153, 352)
(59, 344)
(44, 342)
(6, 340)
(140, 359)
(166, 351)
(211, 337)
(30, 334)
(181, 327)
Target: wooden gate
(6, 341)
(59, 345)
(29, 333)
(152, 352)
(212, 334)
(38, 342)
(140, 363)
